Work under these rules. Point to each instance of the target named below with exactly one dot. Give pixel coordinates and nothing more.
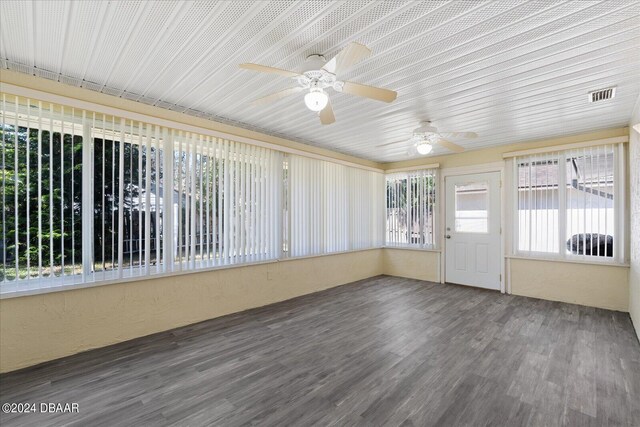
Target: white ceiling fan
(425, 136)
(318, 75)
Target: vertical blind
(41, 157)
(568, 202)
(411, 208)
(538, 201)
(229, 201)
(332, 207)
(91, 197)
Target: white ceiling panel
(509, 71)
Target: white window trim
(583, 144)
(412, 168)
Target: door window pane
(472, 208)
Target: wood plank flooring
(382, 351)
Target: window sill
(569, 261)
(30, 287)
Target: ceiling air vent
(602, 94)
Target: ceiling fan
(425, 136)
(317, 75)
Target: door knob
(448, 236)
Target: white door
(472, 230)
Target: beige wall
(414, 264)
(43, 327)
(634, 205)
(604, 286)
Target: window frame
(408, 173)
(620, 241)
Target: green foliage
(41, 193)
(31, 166)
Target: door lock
(448, 236)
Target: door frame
(468, 170)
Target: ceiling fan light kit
(424, 148)
(316, 99)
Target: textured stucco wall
(38, 328)
(603, 286)
(414, 264)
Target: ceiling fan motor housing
(425, 128)
(425, 133)
(314, 76)
(317, 79)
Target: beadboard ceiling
(510, 71)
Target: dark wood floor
(383, 351)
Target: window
(569, 203)
(128, 209)
(411, 209)
(89, 197)
(333, 207)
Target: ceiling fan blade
(277, 95)
(347, 57)
(450, 145)
(326, 115)
(372, 92)
(272, 70)
(458, 134)
(404, 141)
